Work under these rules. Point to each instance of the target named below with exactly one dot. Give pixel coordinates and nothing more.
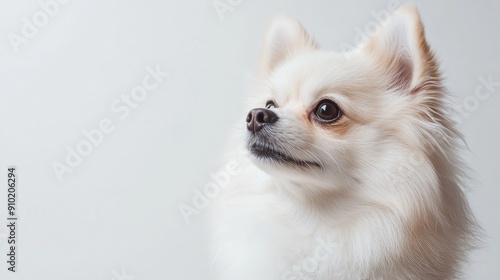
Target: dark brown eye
(270, 104)
(327, 111)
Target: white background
(117, 213)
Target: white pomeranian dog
(352, 169)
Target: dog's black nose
(258, 118)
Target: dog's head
(331, 119)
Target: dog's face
(315, 120)
(327, 119)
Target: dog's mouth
(266, 151)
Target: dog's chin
(270, 156)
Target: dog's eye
(270, 104)
(327, 111)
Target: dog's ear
(400, 46)
(286, 37)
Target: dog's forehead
(307, 77)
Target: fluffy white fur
(385, 202)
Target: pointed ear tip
(284, 22)
(407, 14)
(409, 9)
